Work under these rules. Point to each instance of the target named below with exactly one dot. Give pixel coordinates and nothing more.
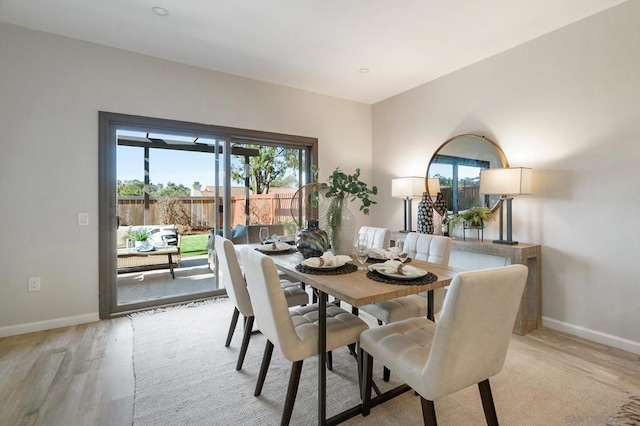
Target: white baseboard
(30, 327)
(594, 336)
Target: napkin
(327, 259)
(275, 246)
(396, 267)
(380, 253)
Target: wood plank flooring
(83, 375)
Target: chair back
(427, 247)
(472, 336)
(232, 275)
(272, 313)
(376, 237)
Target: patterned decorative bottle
(312, 241)
(425, 215)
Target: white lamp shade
(407, 187)
(511, 181)
(433, 186)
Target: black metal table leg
(322, 357)
(430, 308)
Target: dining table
(356, 289)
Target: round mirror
(457, 164)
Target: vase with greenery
(140, 236)
(473, 217)
(340, 189)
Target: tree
(266, 169)
(135, 188)
(173, 190)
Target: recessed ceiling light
(364, 70)
(161, 11)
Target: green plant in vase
(473, 217)
(340, 188)
(139, 235)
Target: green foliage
(139, 234)
(135, 188)
(343, 186)
(474, 216)
(268, 168)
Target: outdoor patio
(192, 277)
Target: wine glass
(400, 246)
(362, 245)
(264, 234)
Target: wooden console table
(530, 255)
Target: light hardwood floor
(83, 375)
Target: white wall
(567, 105)
(51, 89)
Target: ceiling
(321, 45)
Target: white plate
(269, 249)
(422, 273)
(145, 249)
(325, 267)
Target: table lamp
(505, 182)
(407, 188)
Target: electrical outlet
(83, 219)
(34, 284)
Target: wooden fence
(264, 209)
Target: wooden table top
(158, 250)
(358, 290)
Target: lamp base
(506, 242)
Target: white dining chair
(467, 346)
(425, 247)
(376, 237)
(236, 287)
(294, 331)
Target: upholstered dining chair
(467, 346)
(236, 286)
(377, 237)
(294, 331)
(426, 247)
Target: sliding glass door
(166, 187)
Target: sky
(180, 167)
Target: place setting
(398, 272)
(274, 244)
(327, 264)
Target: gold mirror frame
(470, 150)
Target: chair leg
(386, 374)
(266, 360)
(428, 412)
(353, 350)
(232, 326)
(292, 391)
(330, 361)
(367, 370)
(248, 325)
(379, 322)
(487, 403)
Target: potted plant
(140, 236)
(340, 220)
(473, 217)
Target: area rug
(185, 375)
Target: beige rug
(185, 375)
